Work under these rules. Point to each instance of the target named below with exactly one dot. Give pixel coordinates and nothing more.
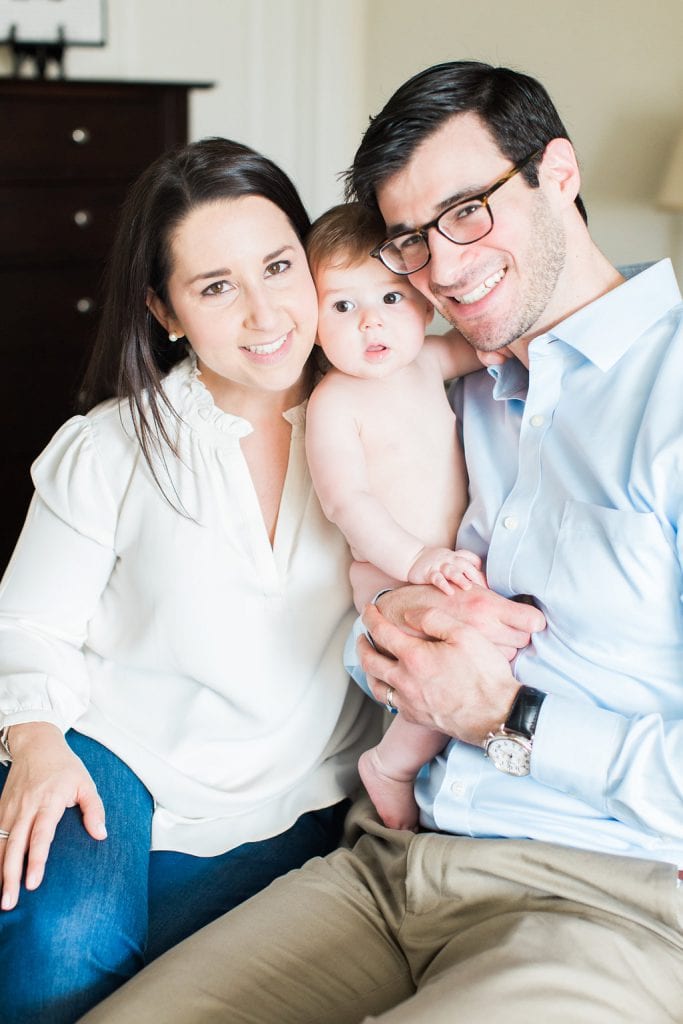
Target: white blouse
(209, 661)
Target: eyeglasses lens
(462, 224)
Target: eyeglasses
(463, 223)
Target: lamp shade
(671, 193)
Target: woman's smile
(272, 348)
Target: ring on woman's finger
(4, 834)
(389, 701)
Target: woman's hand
(44, 779)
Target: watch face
(509, 756)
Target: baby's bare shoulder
(337, 404)
(335, 382)
(335, 387)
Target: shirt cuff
(574, 745)
(351, 663)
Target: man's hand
(507, 624)
(458, 682)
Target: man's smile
(482, 289)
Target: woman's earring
(172, 337)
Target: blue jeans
(105, 909)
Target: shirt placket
(293, 504)
(248, 528)
(513, 524)
(271, 562)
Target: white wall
(298, 79)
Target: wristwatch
(510, 747)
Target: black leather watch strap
(525, 711)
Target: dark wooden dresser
(68, 151)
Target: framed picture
(68, 22)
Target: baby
(383, 452)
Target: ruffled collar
(195, 405)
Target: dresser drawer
(50, 309)
(68, 152)
(59, 223)
(99, 133)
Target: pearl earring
(172, 336)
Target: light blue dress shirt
(576, 484)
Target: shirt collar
(511, 380)
(604, 329)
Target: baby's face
(371, 322)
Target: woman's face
(241, 292)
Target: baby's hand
(442, 567)
(500, 355)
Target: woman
(176, 604)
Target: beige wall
(613, 67)
(298, 78)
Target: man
(545, 880)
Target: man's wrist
(510, 746)
(525, 710)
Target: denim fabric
(185, 892)
(105, 908)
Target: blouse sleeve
(59, 568)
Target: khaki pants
(431, 928)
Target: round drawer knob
(81, 136)
(85, 305)
(83, 218)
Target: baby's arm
(339, 471)
(456, 356)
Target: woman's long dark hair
(132, 352)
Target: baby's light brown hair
(343, 236)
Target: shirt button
(458, 788)
(510, 522)
(537, 421)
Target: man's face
(504, 287)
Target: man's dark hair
(516, 109)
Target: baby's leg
(388, 770)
